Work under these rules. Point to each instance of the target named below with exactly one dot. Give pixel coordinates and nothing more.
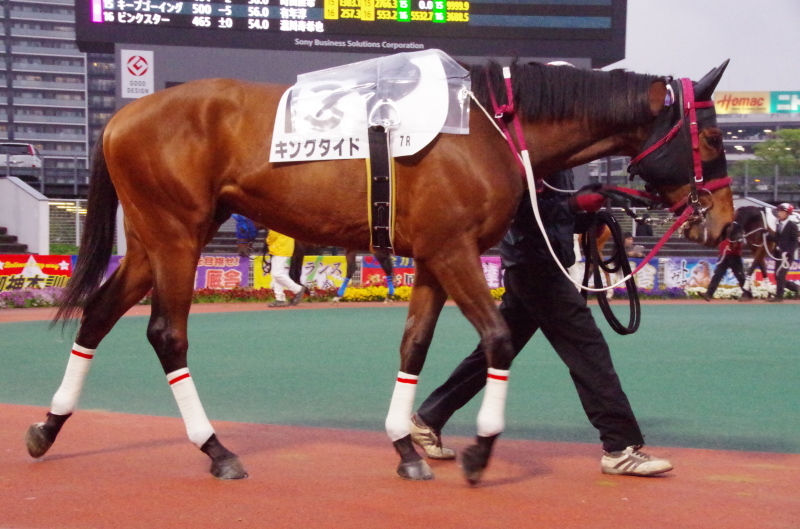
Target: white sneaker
(633, 462)
(426, 438)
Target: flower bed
(48, 297)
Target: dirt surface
(116, 470)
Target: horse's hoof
(230, 468)
(415, 470)
(474, 461)
(36, 441)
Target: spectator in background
(281, 248)
(246, 233)
(730, 257)
(632, 250)
(785, 239)
(643, 227)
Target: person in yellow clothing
(281, 248)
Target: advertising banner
(646, 278)
(222, 272)
(492, 271)
(137, 73)
(319, 271)
(372, 273)
(693, 272)
(793, 275)
(34, 271)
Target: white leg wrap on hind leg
(66, 398)
(401, 407)
(491, 417)
(194, 417)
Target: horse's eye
(714, 142)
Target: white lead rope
(526, 163)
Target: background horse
(386, 263)
(752, 225)
(182, 160)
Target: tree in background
(784, 149)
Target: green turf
(708, 376)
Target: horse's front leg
(427, 301)
(167, 333)
(461, 274)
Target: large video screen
(567, 28)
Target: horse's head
(683, 158)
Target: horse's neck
(562, 145)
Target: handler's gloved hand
(587, 199)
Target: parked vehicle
(22, 155)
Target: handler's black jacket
(787, 238)
(524, 244)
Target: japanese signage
(18, 272)
(222, 272)
(373, 275)
(323, 272)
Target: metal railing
(751, 178)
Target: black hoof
(411, 466)
(228, 469)
(37, 441)
(475, 458)
(415, 470)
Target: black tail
(97, 240)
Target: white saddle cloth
(415, 96)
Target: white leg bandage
(66, 398)
(401, 407)
(491, 417)
(194, 417)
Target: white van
(22, 155)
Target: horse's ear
(705, 86)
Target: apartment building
(53, 96)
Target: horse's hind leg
(126, 286)
(167, 333)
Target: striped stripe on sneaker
(633, 462)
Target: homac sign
(757, 102)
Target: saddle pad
(325, 116)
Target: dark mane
(556, 93)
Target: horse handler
(730, 256)
(786, 244)
(281, 248)
(539, 296)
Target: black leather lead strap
(380, 187)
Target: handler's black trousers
(734, 262)
(780, 279)
(539, 296)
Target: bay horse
(752, 227)
(182, 160)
